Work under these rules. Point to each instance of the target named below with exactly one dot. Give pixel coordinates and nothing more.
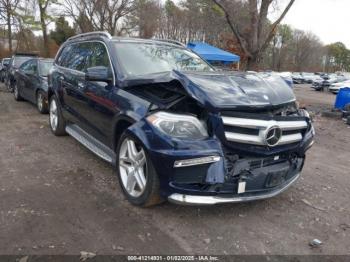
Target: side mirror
(98, 74)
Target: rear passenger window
(75, 56)
(61, 60)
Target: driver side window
(99, 56)
(25, 66)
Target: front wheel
(57, 122)
(137, 176)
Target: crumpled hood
(222, 90)
(230, 89)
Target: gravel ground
(58, 198)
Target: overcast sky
(328, 19)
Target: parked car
(3, 68)
(326, 82)
(334, 88)
(174, 127)
(309, 78)
(31, 82)
(16, 61)
(298, 78)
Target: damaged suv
(174, 127)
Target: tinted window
(45, 67)
(63, 55)
(76, 56)
(99, 55)
(19, 60)
(25, 65)
(30, 66)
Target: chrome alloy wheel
(15, 92)
(132, 168)
(40, 101)
(53, 115)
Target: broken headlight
(178, 126)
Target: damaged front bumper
(209, 172)
(212, 200)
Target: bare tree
(45, 19)
(259, 34)
(8, 12)
(104, 15)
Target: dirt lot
(58, 198)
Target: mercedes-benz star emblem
(273, 135)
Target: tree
(139, 20)
(338, 57)
(62, 31)
(8, 13)
(259, 33)
(102, 15)
(45, 19)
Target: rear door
(22, 78)
(71, 78)
(32, 80)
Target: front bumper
(213, 200)
(266, 173)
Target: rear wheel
(137, 176)
(57, 122)
(16, 93)
(41, 102)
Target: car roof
(106, 36)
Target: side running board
(91, 143)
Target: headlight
(179, 126)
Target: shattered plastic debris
(86, 255)
(315, 243)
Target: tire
(16, 93)
(41, 103)
(348, 120)
(144, 187)
(332, 114)
(10, 85)
(57, 122)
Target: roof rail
(171, 42)
(95, 33)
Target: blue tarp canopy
(212, 53)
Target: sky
(328, 19)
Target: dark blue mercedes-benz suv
(174, 127)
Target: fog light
(196, 161)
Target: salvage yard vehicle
(31, 82)
(16, 61)
(174, 127)
(334, 88)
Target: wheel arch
(121, 124)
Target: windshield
(6, 61)
(19, 60)
(139, 59)
(45, 67)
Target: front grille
(256, 131)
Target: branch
(240, 39)
(274, 26)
